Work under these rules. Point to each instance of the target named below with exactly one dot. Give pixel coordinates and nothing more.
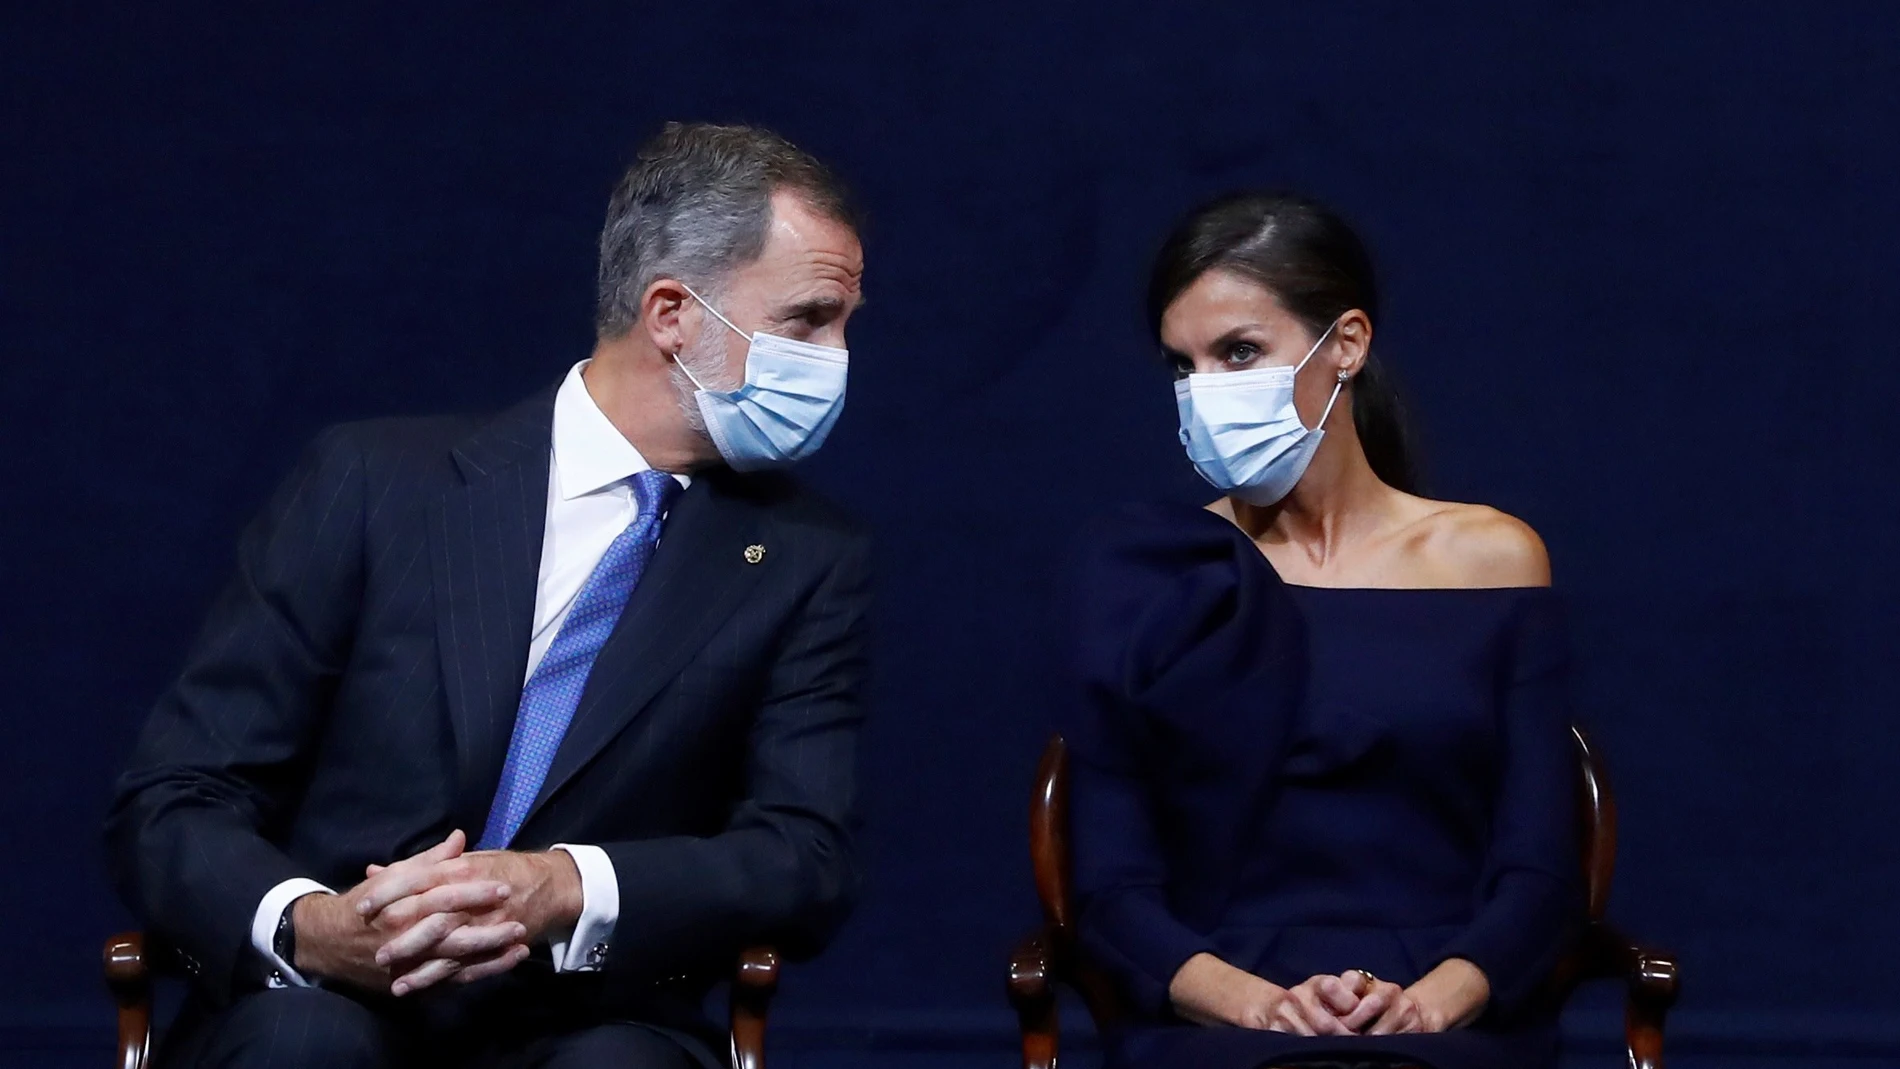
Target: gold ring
(1371, 980)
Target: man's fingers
(403, 879)
(470, 941)
(391, 883)
(420, 939)
(494, 966)
(428, 974)
(450, 847)
(477, 896)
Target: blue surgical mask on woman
(1243, 432)
(791, 398)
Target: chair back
(1596, 820)
(1049, 855)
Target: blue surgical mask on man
(1244, 434)
(791, 398)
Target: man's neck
(635, 391)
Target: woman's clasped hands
(1209, 991)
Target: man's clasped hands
(443, 914)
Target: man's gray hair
(696, 204)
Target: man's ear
(662, 311)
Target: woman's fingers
(1291, 1019)
(1372, 1005)
(1400, 1016)
(1318, 1017)
(1338, 998)
(1388, 1020)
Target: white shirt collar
(590, 453)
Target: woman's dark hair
(1308, 257)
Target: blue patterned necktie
(554, 690)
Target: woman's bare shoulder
(1481, 546)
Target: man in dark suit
(510, 733)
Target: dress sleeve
(1531, 902)
(1121, 875)
(1158, 622)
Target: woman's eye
(1242, 352)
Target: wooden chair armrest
(1651, 974)
(1032, 991)
(1652, 979)
(754, 983)
(130, 981)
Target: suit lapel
(487, 554)
(698, 575)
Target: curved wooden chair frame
(129, 978)
(1050, 956)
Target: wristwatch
(284, 944)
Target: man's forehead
(799, 232)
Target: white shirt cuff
(585, 948)
(264, 929)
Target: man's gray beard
(706, 356)
(684, 392)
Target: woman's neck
(1338, 501)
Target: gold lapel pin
(754, 554)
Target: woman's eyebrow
(1232, 336)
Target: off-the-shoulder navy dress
(1304, 780)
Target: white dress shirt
(590, 502)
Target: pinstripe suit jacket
(353, 692)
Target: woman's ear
(1354, 334)
(662, 311)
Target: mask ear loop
(708, 306)
(1340, 385)
(690, 377)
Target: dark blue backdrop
(1640, 265)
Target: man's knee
(616, 1046)
(294, 1028)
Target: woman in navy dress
(1323, 798)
